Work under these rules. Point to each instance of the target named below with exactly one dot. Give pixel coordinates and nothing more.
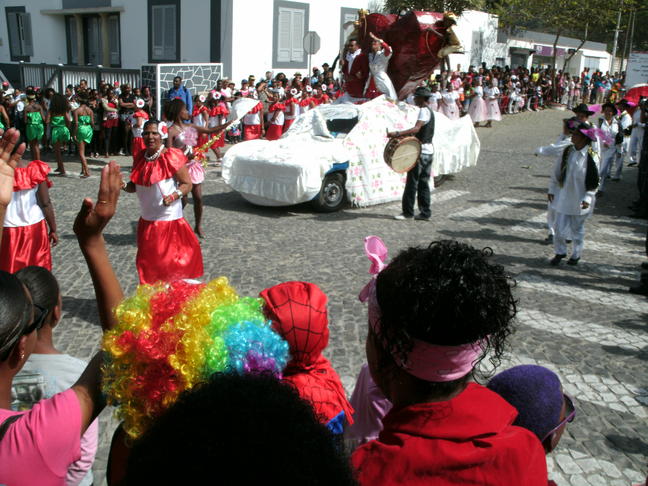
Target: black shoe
(573, 261)
(420, 217)
(556, 260)
(639, 290)
(644, 265)
(549, 239)
(568, 241)
(632, 164)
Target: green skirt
(60, 134)
(35, 132)
(84, 133)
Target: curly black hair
(447, 294)
(238, 430)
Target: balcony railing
(58, 76)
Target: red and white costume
(305, 104)
(275, 129)
(293, 110)
(167, 248)
(252, 123)
(186, 140)
(322, 99)
(200, 120)
(218, 116)
(137, 145)
(25, 239)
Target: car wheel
(332, 195)
(440, 179)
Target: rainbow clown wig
(170, 337)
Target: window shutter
(113, 40)
(14, 36)
(284, 44)
(27, 46)
(157, 34)
(297, 41)
(170, 32)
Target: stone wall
(198, 78)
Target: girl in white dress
(477, 109)
(450, 103)
(378, 82)
(492, 94)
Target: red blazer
(354, 85)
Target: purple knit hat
(536, 394)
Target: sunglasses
(571, 414)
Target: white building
(247, 36)
(483, 41)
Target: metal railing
(58, 76)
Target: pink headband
(429, 362)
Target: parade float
(340, 153)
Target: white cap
(202, 98)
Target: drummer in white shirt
(417, 187)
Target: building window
(164, 30)
(289, 27)
(114, 40)
(71, 35)
(347, 16)
(20, 34)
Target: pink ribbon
(429, 362)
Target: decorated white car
(333, 154)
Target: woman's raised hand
(8, 163)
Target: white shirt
(611, 129)
(350, 57)
(425, 114)
(23, 209)
(252, 119)
(568, 198)
(150, 199)
(625, 120)
(280, 118)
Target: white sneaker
(402, 217)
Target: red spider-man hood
(298, 313)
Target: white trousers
(636, 140)
(551, 220)
(607, 159)
(572, 227)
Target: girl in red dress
(29, 224)
(292, 108)
(167, 249)
(140, 117)
(253, 124)
(307, 102)
(276, 121)
(200, 116)
(218, 114)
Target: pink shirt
(38, 448)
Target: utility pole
(616, 40)
(624, 52)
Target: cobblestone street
(579, 321)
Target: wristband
(179, 193)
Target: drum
(401, 154)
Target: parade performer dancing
(167, 249)
(572, 193)
(378, 81)
(35, 124)
(25, 238)
(184, 136)
(218, 114)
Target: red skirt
(23, 246)
(221, 140)
(251, 132)
(274, 132)
(137, 146)
(287, 123)
(167, 251)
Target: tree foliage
(456, 6)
